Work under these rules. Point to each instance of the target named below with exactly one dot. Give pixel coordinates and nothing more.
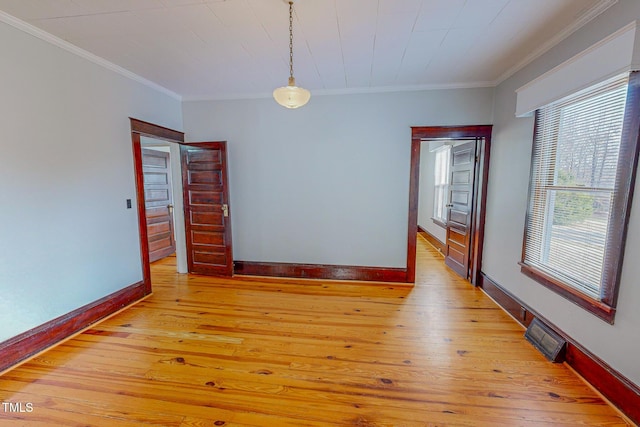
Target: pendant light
(291, 96)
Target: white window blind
(573, 182)
(441, 183)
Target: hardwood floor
(267, 352)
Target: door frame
(420, 133)
(140, 128)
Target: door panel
(456, 254)
(458, 218)
(458, 241)
(206, 200)
(156, 170)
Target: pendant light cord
(291, 39)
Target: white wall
(327, 183)
(425, 200)
(618, 344)
(66, 169)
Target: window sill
(438, 222)
(593, 306)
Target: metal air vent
(546, 340)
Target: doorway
(201, 236)
(463, 213)
(158, 134)
(161, 181)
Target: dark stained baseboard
(320, 271)
(21, 347)
(440, 246)
(507, 301)
(614, 386)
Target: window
(441, 184)
(583, 167)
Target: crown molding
(346, 91)
(583, 20)
(63, 44)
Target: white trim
(579, 56)
(346, 91)
(605, 59)
(435, 146)
(63, 44)
(587, 17)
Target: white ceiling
(216, 49)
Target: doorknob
(170, 207)
(225, 210)
(449, 205)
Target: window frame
(442, 221)
(605, 306)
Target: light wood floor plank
(249, 351)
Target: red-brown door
(158, 197)
(206, 208)
(462, 174)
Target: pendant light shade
(291, 96)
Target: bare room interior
(319, 212)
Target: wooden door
(462, 175)
(158, 197)
(206, 208)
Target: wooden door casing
(158, 196)
(206, 208)
(482, 135)
(460, 207)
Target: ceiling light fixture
(291, 96)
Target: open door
(158, 198)
(460, 207)
(206, 208)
